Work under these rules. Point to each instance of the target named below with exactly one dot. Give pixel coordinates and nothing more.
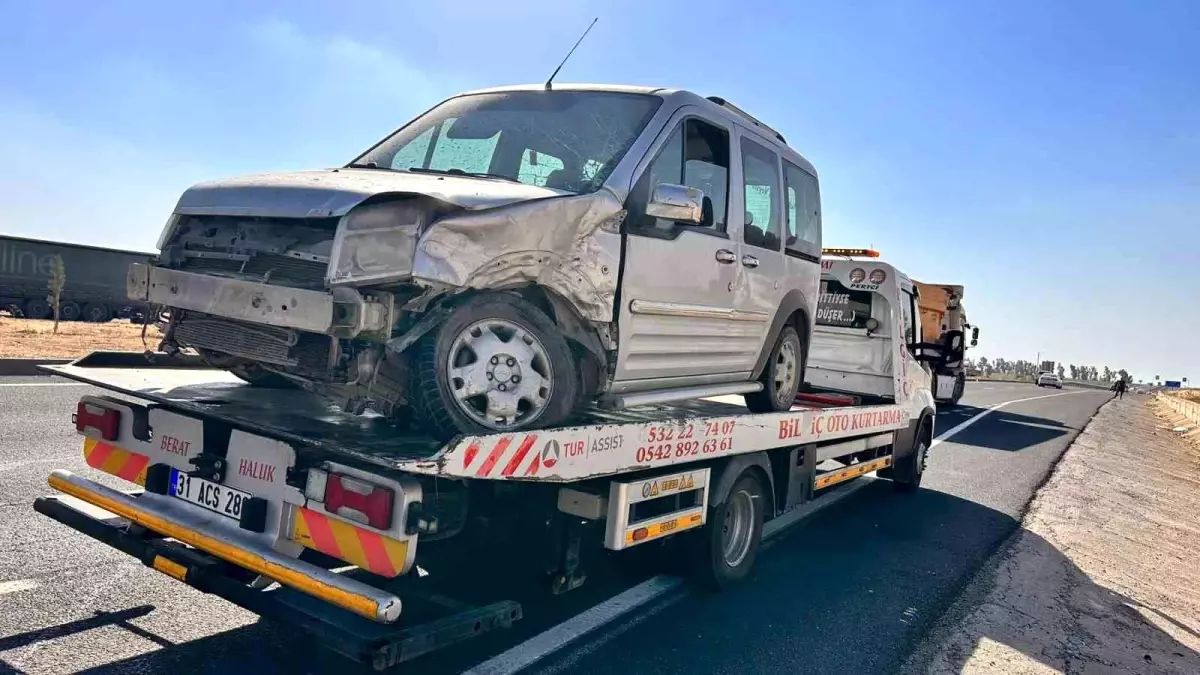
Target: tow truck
(281, 503)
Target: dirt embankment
(31, 339)
(1103, 576)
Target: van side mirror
(678, 203)
(974, 336)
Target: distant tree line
(1029, 370)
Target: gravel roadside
(1103, 575)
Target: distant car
(1049, 380)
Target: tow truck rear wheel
(781, 376)
(728, 543)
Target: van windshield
(566, 140)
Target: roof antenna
(564, 61)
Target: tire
(711, 566)
(511, 343)
(69, 311)
(785, 365)
(97, 312)
(37, 309)
(907, 473)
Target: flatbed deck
(594, 443)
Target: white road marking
(991, 409)
(18, 585)
(557, 637)
(44, 384)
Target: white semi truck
(281, 503)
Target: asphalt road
(851, 589)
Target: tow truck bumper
(343, 614)
(349, 594)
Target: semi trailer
(95, 287)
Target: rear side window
(760, 173)
(841, 307)
(803, 211)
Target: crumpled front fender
(570, 245)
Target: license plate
(215, 497)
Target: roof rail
(731, 107)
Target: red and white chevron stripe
(505, 458)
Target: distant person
(1119, 387)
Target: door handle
(725, 256)
(749, 261)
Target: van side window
(760, 175)
(695, 155)
(803, 211)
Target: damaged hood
(333, 192)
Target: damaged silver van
(507, 257)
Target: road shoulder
(1102, 574)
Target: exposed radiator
(265, 267)
(266, 344)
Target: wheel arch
(793, 311)
(904, 442)
(727, 474)
(581, 337)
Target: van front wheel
(497, 363)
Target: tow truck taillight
(104, 420)
(352, 498)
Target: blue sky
(1044, 154)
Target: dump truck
(942, 311)
(95, 280)
(334, 524)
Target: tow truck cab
(867, 336)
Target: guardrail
(1189, 409)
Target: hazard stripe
(96, 453)
(351, 547)
(320, 533)
(520, 456)
(377, 557)
(134, 470)
(356, 545)
(469, 456)
(115, 460)
(494, 456)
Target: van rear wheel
(781, 376)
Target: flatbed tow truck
(282, 504)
